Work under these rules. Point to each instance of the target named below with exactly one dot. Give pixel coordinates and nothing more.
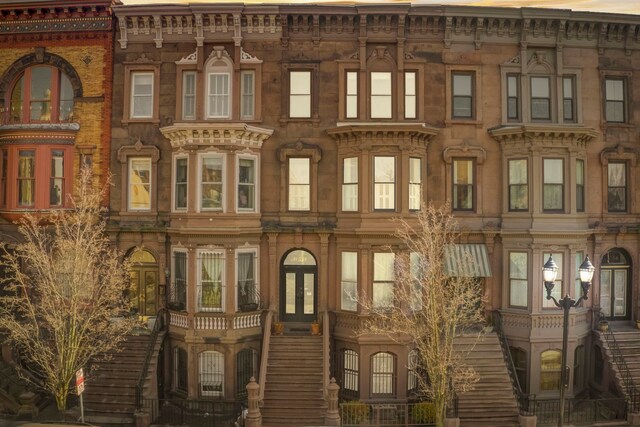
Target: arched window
(41, 94)
(550, 362)
(219, 85)
(211, 374)
(383, 374)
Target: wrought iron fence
(578, 411)
(387, 414)
(194, 413)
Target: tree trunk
(439, 404)
(61, 398)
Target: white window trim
(229, 93)
(345, 185)
(129, 184)
(221, 372)
(256, 183)
(223, 306)
(195, 94)
(256, 263)
(395, 184)
(133, 94)
(243, 93)
(342, 280)
(224, 181)
(173, 183)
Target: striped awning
(467, 260)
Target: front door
(298, 290)
(144, 282)
(615, 289)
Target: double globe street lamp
(549, 273)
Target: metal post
(81, 409)
(565, 304)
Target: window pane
(381, 95)
(553, 171)
(410, 95)
(352, 95)
(518, 185)
(142, 95)
(66, 98)
(617, 174)
(41, 93)
(299, 184)
(553, 184)
(518, 279)
(178, 293)
(248, 100)
(580, 185)
(300, 94)
(246, 279)
(350, 184)
(415, 183)
(463, 184)
(383, 276)
(211, 182)
(218, 95)
(512, 86)
(615, 90)
(617, 191)
(246, 184)
(56, 181)
(26, 177)
(384, 186)
(462, 84)
(349, 281)
(140, 184)
(189, 96)
(540, 98)
(181, 184)
(540, 87)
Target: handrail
(325, 352)
(264, 357)
(157, 327)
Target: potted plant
(315, 328)
(278, 325)
(603, 326)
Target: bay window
(553, 185)
(212, 182)
(181, 183)
(56, 182)
(26, 178)
(518, 279)
(384, 178)
(349, 282)
(247, 287)
(383, 280)
(178, 291)
(350, 184)
(211, 281)
(246, 184)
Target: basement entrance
(298, 287)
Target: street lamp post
(549, 272)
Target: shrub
(424, 412)
(354, 412)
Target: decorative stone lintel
(193, 135)
(383, 132)
(536, 134)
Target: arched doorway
(144, 283)
(298, 287)
(615, 284)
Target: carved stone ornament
(247, 58)
(355, 55)
(514, 60)
(189, 59)
(143, 59)
(218, 52)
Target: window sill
(463, 121)
(286, 120)
(152, 120)
(616, 125)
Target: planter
(315, 328)
(278, 328)
(603, 326)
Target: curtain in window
(211, 282)
(246, 282)
(179, 293)
(26, 190)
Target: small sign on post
(79, 390)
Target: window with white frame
(557, 288)
(513, 97)
(211, 374)
(384, 187)
(180, 183)
(615, 100)
(616, 187)
(462, 95)
(247, 94)
(381, 98)
(518, 185)
(540, 98)
(553, 185)
(139, 197)
(299, 183)
(350, 184)
(415, 183)
(383, 278)
(178, 290)
(349, 281)
(141, 95)
(211, 182)
(518, 279)
(189, 95)
(352, 95)
(300, 94)
(410, 90)
(247, 286)
(383, 374)
(218, 95)
(579, 258)
(246, 184)
(211, 281)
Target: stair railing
(264, 356)
(526, 403)
(326, 373)
(629, 385)
(158, 326)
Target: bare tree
(65, 290)
(430, 307)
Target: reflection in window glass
(553, 191)
(26, 177)
(211, 182)
(350, 184)
(141, 95)
(463, 185)
(518, 185)
(380, 95)
(56, 181)
(211, 286)
(518, 279)
(352, 95)
(140, 184)
(299, 184)
(415, 183)
(557, 289)
(550, 361)
(349, 280)
(181, 183)
(384, 182)
(383, 277)
(617, 187)
(246, 184)
(300, 94)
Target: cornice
(543, 134)
(382, 133)
(194, 135)
(64, 133)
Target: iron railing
(158, 326)
(387, 414)
(193, 413)
(578, 411)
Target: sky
(611, 6)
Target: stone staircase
(492, 402)
(293, 394)
(628, 339)
(110, 393)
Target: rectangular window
(246, 274)
(212, 374)
(381, 95)
(350, 184)
(299, 184)
(351, 374)
(211, 283)
(384, 187)
(415, 183)
(189, 95)
(410, 100)
(178, 292)
(577, 293)
(218, 95)
(56, 181)
(139, 184)
(180, 183)
(180, 369)
(553, 191)
(383, 276)
(518, 185)
(615, 100)
(417, 270)
(211, 181)
(513, 97)
(383, 374)
(3, 177)
(580, 185)
(617, 187)
(518, 279)
(463, 197)
(247, 94)
(569, 98)
(349, 281)
(246, 184)
(141, 95)
(462, 91)
(550, 370)
(540, 98)
(300, 94)
(352, 95)
(557, 289)
(26, 177)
